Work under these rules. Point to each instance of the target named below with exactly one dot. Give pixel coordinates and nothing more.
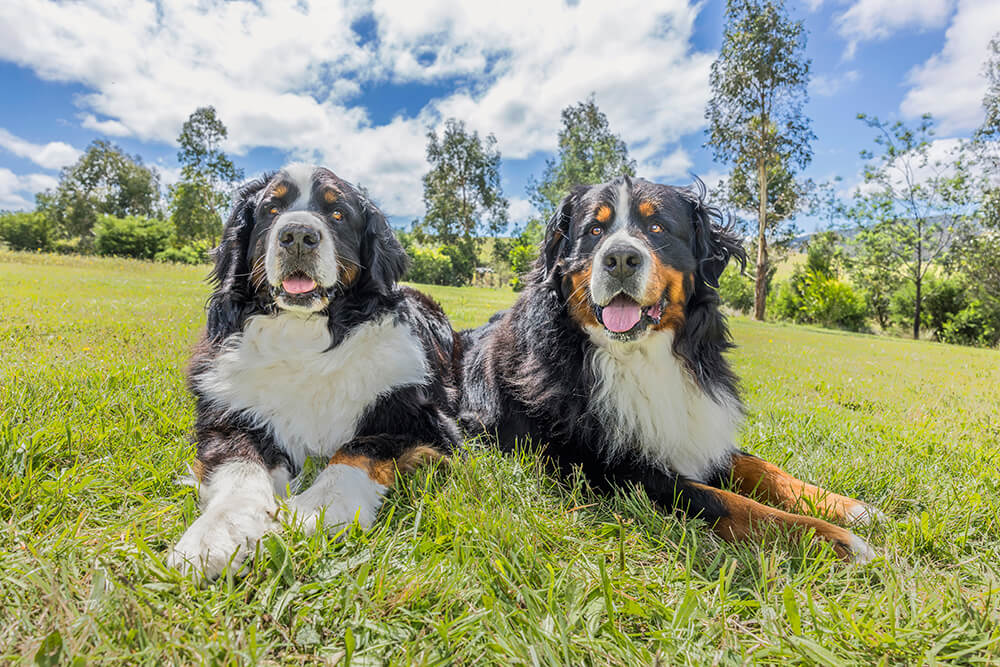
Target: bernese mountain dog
(311, 350)
(612, 359)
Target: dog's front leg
(238, 508)
(358, 476)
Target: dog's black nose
(298, 238)
(622, 262)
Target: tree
(912, 206)
(462, 194)
(105, 180)
(756, 119)
(589, 152)
(198, 201)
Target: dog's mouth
(625, 319)
(299, 289)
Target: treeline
(111, 203)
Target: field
(490, 561)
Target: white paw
(240, 509)
(864, 515)
(861, 551)
(339, 494)
(225, 532)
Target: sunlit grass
(489, 561)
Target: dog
(613, 360)
(311, 350)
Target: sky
(356, 85)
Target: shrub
(133, 236)
(973, 325)
(736, 289)
(26, 231)
(192, 253)
(522, 260)
(943, 298)
(80, 245)
(814, 298)
(430, 265)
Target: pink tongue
(298, 285)
(621, 314)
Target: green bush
(429, 265)
(942, 299)
(192, 253)
(814, 298)
(133, 236)
(973, 325)
(26, 231)
(522, 259)
(736, 290)
(80, 245)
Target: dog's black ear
(714, 242)
(383, 258)
(231, 274)
(557, 236)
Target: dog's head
(629, 256)
(297, 241)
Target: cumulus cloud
(17, 191)
(828, 85)
(869, 20)
(291, 75)
(53, 155)
(951, 84)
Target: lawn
(489, 561)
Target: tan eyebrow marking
(280, 190)
(603, 213)
(329, 196)
(646, 209)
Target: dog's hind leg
(358, 476)
(758, 478)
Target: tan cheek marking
(603, 213)
(280, 190)
(646, 209)
(670, 280)
(579, 298)
(348, 272)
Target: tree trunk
(760, 286)
(919, 280)
(916, 314)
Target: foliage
(134, 236)
(104, 181)
(913, 206)
(973, 325)
(943, 298)
(462, 194)
(814, 294)
(26, 230)
(757, 121)
(736, 289)
(196, 252)
(199, 200)
(588, 153)
(430, 265)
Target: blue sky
(356, 85)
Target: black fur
(527, 373)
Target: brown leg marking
(198, 470)
(383, 471)
(745, 517)
(760, 479)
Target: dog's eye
(595, 230)
(655, 228)
(273, 210)
(337, 215)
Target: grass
(490, 561)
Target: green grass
(490, 561)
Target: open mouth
(298, 284)
(624, 318)
(299, 289)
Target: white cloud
(17, 191)
(869, 20)
(520, 210)
(828, 85)
(290, 75)
(951, 84)
(52, 155)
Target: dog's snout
(622, 261)
(298, 238)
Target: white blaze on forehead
(301, 175)
(623, 202)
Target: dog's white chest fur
(644, 394)
(280, 372)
